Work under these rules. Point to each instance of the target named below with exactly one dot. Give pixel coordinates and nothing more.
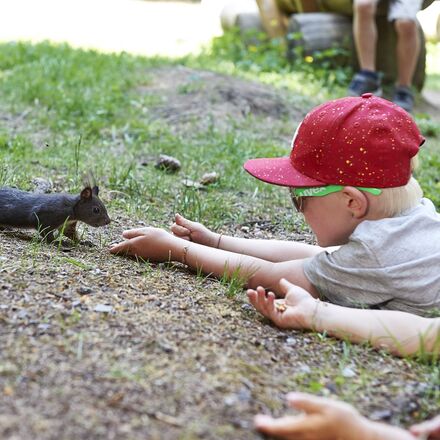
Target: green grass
(86, 102)
(265, 60)
(81, 130)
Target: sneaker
(404, 97)
(362, 83)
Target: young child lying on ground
(349, 173)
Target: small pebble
(103, 308)
(168, 163)
(84, 290)
(305, 369)
(42, 186)
(290, 341)
(348, 373)
(209, 178)
(381, 414)
(191, 184)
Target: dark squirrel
(51, 212)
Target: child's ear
(355, 201)
(86, 193)
(95, 190)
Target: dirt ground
(101, 347)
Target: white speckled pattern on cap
(360, 141)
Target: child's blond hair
(394, 201)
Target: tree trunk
(319, 31)
(323, 30)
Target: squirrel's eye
(95, 210)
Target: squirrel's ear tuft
(95, 190)
(86, 193)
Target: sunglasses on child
(299, 194)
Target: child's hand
(152, 244)
(193, 231)
(429, 429)
(294, 311)
(323, 419)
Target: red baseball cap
(362, 141)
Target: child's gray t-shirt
(392, 263)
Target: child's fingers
(252, 296)
(121, 248)
(135, 247)
(255, 298)
(281, 427)
(266, 302)
(259, 301)
(182, 221)
(308, 403)
(269, 304)
(262, 301)
(131, 233)
(180, 231)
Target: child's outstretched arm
(401, 333)
(156, 244)
(270, 250)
